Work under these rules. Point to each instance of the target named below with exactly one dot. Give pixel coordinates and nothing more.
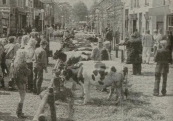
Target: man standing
(96, 52)
(147, 44)
(105, 53)
(162, 58)
(39, 64)
(117, 36)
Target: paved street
(140, 105)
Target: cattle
(103, 74)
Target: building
(162, 15)
(13, 16)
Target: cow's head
(60, 55)
(67, 73)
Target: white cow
(96, 73)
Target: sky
(72, 2)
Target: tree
(80, 11)
(93, 7)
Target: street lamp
(42, 12)
(62, 21)
(97, 13)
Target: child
(39, 64)
(162, 58)
(20, 75)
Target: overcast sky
(72, 2)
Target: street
(140, 105)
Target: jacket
(147, 40)
(96, 54)
(105, 54)
(162, 58)
(40, 59)
(134, 51)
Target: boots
(19, 111)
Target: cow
(103, 74)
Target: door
(160, 25)
(134, 25)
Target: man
(162, 58)
(155, 36)
(39, 64)
(138, 35)
(147, 44)
(96, 52)
(105, 53)
(117, 36)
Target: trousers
(146, 54)
(30, 77)
(157, 83)
(37, 81)
(136, 68)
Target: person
(147, 44)
(96, 52)
(1, 70)
(117, 36)
(155, 36)
(24, 40)
(30, 48)
(105, 52)
(3, 59)
(10, 49)
(134, 53)
(168, 37)
(34, 35)
(162, 59)
(138, 35)
(20, 75)
(39, 64)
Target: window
(4, 2)
(136, 3)
(164, 2)
(146, 2)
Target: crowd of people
(139, 48)
(23, 60)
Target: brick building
(13, 15)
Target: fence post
(41, 107)
(122, 56)
(116, 52)
(71, 103)
(51, 103)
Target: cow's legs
(86, 96)
(119, 95)
(110, 93)
(82, 89)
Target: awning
(156, 11)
